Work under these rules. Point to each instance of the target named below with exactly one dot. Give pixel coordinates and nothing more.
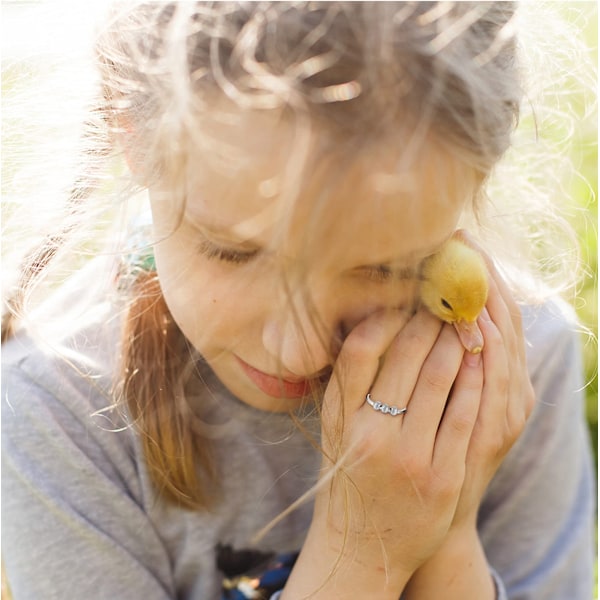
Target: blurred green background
(584, 191)
(583, 188)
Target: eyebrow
(247, 230)
(223, 233)
(227, 235)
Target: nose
(300, 338)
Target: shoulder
(557, 422)
(85, 359)
(59, 419)
(554, 440)
(552, 335)
(62, 385)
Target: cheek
(212, 304)
(210, 321)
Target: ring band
(386, 409)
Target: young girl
(205, 424)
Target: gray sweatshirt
(80, 518)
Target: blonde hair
(354, 69)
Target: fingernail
(472, 359)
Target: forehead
(399, 197)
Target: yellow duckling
(454, 288)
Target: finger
(508, 387)
(499, 312)
(360, 356)
(509, 327)
(402, 364)
(495, 397)
(455, 430)
(432, 388)
(504, 296)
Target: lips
(276, 387)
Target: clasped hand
(398, 486)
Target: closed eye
(213, 251)
(385, 272)
(446, 304)
(378, 273)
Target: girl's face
(266, 276)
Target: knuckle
(371, 337)
(529, 399)
(437, 379)
(417, 337)
(414, 468)
(462, 424)
(363, 447)
(358, 347)
(516, 316)
(494, 337)
(432, 485)
(470, 381)
(519, 416)
(408, 348)
(445, 487)
(501, 444)
(408, 344)
(517, 425)
(513, 347)
(497, 445)
(502, 383)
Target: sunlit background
(40, 38)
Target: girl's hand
(391, 484)
(506, 401)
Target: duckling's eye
(446, 304)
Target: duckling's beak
(470, 335)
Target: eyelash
(384, 273)
(228, 255)
(211, 251)
(379, 273)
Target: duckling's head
(454, 288)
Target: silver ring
(386, 409)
